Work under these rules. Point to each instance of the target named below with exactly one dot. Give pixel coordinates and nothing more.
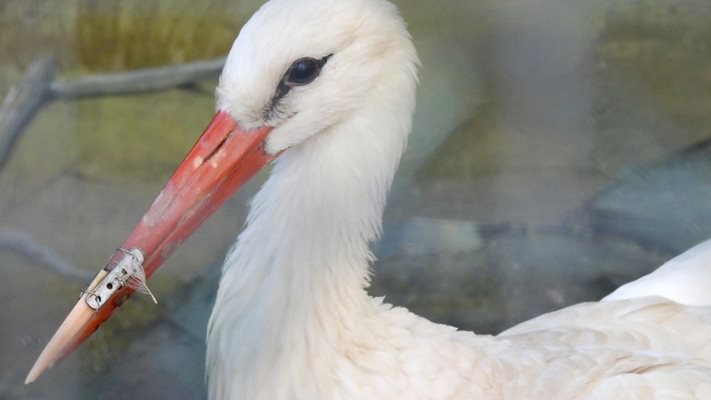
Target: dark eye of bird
(303, 72)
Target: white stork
(326, 89)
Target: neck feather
(293, 287)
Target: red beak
(222, 160)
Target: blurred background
(561, 148)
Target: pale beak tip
(35, 372)
(57, 346)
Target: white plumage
(684, 279)
(292, 319)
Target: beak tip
(42, 364)
(34, 373)
(62, 342)
(38, 368)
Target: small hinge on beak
(128, 271)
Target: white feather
(292, 319)
(684, 279)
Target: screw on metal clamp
(128, 271)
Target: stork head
(297, 69)
(302, 66)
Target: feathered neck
(293, 287)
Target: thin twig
(139, 81)
(22, 102)
(24, 245)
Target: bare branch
(139, 81)
(22, 102)
(22, 244)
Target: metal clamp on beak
(127, 271)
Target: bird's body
(292, 318)
(329, 87)
(296, 323)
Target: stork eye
(303, 72)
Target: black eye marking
(302, 72)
